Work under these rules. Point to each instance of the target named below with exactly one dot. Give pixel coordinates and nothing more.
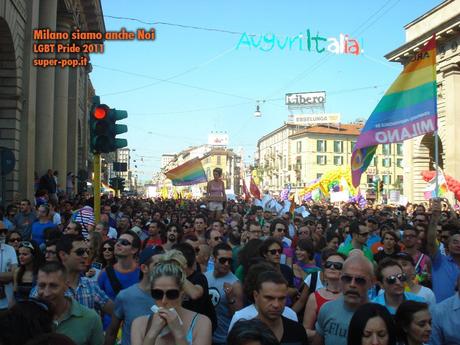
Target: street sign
(7, 161)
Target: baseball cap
(148, 252)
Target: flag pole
(436, 162)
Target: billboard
(314, 119)
(218, 139)
(306, 99)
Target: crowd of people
(212, 271)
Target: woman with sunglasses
(106, 256)
(332, 266)
(170, 323)
(25, 276)
(14, 238)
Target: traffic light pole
(97, 186)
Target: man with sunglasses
(391, 279)
(359, 235)
(134, 301)
(73, 253)
(225, 290)
(334, 317)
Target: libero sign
(306, 98)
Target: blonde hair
(171, 264)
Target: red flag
(254, 189)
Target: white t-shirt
(250, 312)
(428, 295)
(112, 233)
(57, 218)
(8, 258)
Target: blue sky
(189, 82)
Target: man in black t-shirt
(196, 288)
(270, 299)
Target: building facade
(43, 111)
(419, 153)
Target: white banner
(312, 119)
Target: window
(319, 175)
(298, 163)
(299, 146)
(218, 160)
(399, 162)
(321, 146)
(386, 149)
(387, 179)
(386, 162)
(399, 149)
(338, 146)
(338, 160)
(321, 160)
(353, 143)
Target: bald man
(356, 279)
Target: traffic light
(381, 186)
(117, 183)
(100, 129)
(375, 185)
(121, 184)
(114, 182)
(104, 128)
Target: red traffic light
(100, 112)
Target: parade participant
(334, 317)
(251, 332)
(215, 193)
(423, 265)
(73, 229)
(412, 284)
(135, 300)
(199, 225)
(78, 322)
(8, 264)
(255, 231)
(372, 324)
(359, 233)
(154, 231)
(85, 217)
(278, 230)
(413, 321)
(305, 262)
(43, 222)
(446, 269)
(107, 256)
(332, 266)
(270, 298)
(247, 255)
(123, 224)
(25, 276)
(173, 235)
(171, 324)
(390, 246)
(50, 251)
(14, 238)
(391, 279)
(225, 291)
(24, 219)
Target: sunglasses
(124, 242)
(280, 229)
(27, 244)
(392, 279)
(197, 250)
(358, 280)
(274, 251)
(337, 265)
(224, 260)
(81, 251)
(158, 294)
(107, 249)
(17, 239)
(217, 238)
(363, 234)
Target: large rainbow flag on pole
(407, 110)
(189, 173)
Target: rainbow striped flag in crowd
(430, 190)
(407, 110)
(189, 173)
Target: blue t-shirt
(38, 231)
(408, 296)
(219, 300)
(131, 303)
(125, 279)
(445, 272)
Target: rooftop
(336, 129)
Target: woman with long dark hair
(25, 276)
(413, 320)
(107, 256)
(372, 324)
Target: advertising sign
(314, 119)
(218, 139)
(306, 98)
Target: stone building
(43, 111)
(444, 22)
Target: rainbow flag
(407, 110)
(430, 190)
(189, 173)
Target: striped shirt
(85, 217)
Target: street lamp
(257, 113)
